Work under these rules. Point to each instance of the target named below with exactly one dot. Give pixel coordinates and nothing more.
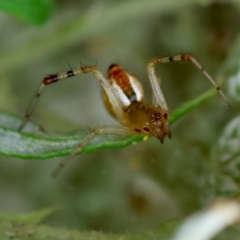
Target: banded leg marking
(63, 75)
(181, 57)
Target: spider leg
(181, 57)
(31, 107)
(154, 100)
(113, 97)
(190, 57)
(63, 75)
(100, 130)
(157, 92)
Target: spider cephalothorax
(148, 119)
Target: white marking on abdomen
(122, 96)
(137, 88)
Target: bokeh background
(137, 187)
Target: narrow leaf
(35, 144)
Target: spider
(124, 99)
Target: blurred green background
(138, 187)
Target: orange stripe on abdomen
(121, 78)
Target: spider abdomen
(127, 87)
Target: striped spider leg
(124, 99)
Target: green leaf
(31, 11)
(35, 144)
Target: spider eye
(165, 115)
(156, 117)
(146, 129)
(137, 130)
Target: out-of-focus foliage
(136, 188)
(31, 11)
(33, 217)
(210, 221)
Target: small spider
(124, 99)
